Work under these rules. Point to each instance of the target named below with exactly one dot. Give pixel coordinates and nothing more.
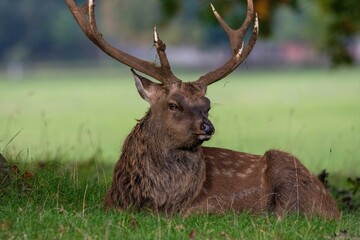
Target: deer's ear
(145, 87)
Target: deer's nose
(207, 128)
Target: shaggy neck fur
(152, 175)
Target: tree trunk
(4, 172)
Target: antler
(239, 54)
(85, 17)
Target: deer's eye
(173, 107)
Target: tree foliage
(344, 23)
(45, 30)
(344, 20)
(38, 30)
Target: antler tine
(85, 17)
(160, 48)
(239, 54)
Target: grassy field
(64, 128)
(57, 203)
(314, 114)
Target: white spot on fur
(216, 171)
(224, 154)
(262, 183)
(228, 174)
(248, 171)
(253, 158)
(228, 163)
(240, 154)
(246, 193)
(241, 175)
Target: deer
(163, 166)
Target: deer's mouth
(203, 137)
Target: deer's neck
(157, 176)
(149, 143)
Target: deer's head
(180, 107)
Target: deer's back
(274, 182)
(234, 180)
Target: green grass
(314, 114)
(64, 202)
(76, 120)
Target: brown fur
(148, 175)
(164, 168)
(275, 182)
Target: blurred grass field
(76, 113)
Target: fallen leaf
(27, 175)
(4, 226)
(224, 234)
(15, 169)
(42, 165)
(134, 223)
(192, 235)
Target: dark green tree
(344, 24)
(38, 30)
(344, 21)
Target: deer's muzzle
(207, 129)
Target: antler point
(212, 7)
(238, 54)
(156, 35)
(256, 26)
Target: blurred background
(293, 32)
(299, 90)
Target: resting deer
(163, 166)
